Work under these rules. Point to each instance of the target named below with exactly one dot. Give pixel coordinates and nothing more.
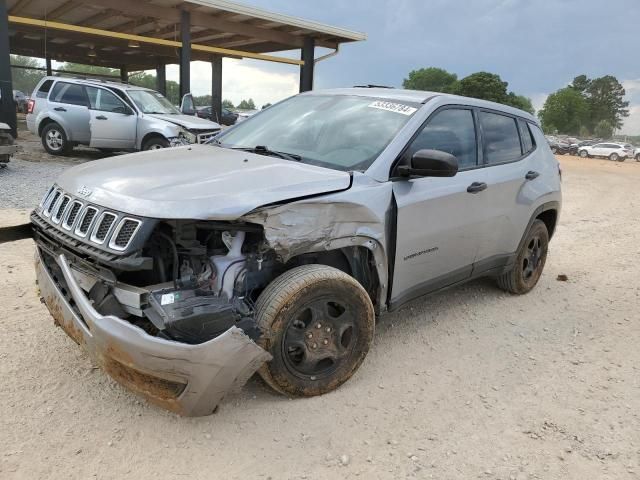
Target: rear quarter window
(528, 142)
(43, 91)
(501, 141)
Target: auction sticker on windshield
(393, 107)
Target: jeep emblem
(83, 191)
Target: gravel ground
(23, 183)
(468, 383)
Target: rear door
(439, 220)
(113, 124)
(69, 106)
(509, 154)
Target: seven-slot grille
(88, 221)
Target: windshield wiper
(263, 150)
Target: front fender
(153, 126)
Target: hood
(187, 121)
(197, 182)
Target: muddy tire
(55, 141)
(318, 325)
(529, 262)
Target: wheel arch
(149, 136)
(547, 212)
(47, 121)
(357, 261)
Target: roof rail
(372, 86)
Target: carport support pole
(161, 78)
(185, 53)
(7, 107)
(306, 70)
(48, 64)
(216, 87)
(124, 74)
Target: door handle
(531, 175)
(476, 187)
(101, 117)
(60, 109)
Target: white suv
(613, 151)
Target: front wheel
(155, 143)
(554, 150)
(529, 261)
(317, 322)
(584, 154)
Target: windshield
(340, 132)
(152, 102)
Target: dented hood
(197, 182)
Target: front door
(113, 124)
(440, 221)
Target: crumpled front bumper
(187, 379)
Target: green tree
(227, 104)
(584, 132)
(247, 105)
(25, 79)
(605, 96)
(432, 79)
(580, 83)
(484, 85)
(521, 102)
(90, 69)
(603, 130)
(566, 110)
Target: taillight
(30, 105)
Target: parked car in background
(587, 143)
(21, 101)
(612, 151)
(558, 147)
(243, 115)
(228, 117)
(275, 247)
(66, 112)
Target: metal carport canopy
(137, 34)
(147, 34)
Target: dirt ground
(469, 383)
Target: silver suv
(274, 248)
(109, 116)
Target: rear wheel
(638, 157)
(317, 322)
(54, 140)
(554, 150)
(529, 262)
(615, 157)
(155, 143)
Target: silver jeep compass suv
(274, 248)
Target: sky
(538, 46)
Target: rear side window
(528, 143)
(452, 131)
(71, 93)
(44, 89)
(501, 139)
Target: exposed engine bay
(193, 280)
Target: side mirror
(123, 110)
(430, 163)
(188, 106)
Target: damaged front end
(164, 307)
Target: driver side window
(453, 131)
(104, 100)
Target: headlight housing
(187, 136)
